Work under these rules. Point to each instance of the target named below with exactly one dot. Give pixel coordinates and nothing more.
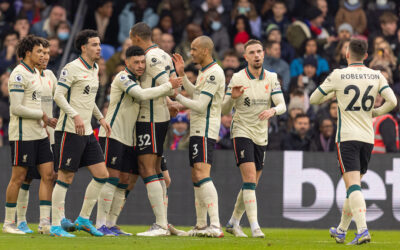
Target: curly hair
(44, 42)
(83, 37)
(27, 44)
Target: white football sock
(155, 195)
(116, 207)
(91, 196)
(105, 200)
(201, 209)
(11, 209)
(358, 208)
(165, 194)
(238, 211)
(45, 210)
(22, 202)
(346, 217)
(58, 202)
(208, 194)
(250, 203)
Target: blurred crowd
(304, 41)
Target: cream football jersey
(49, 82)
(356, 88)
(25, 81)
(82, 82)
(210, 82)
(159, 67)
(256, 98)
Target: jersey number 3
(366, 99)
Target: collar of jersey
(250, 75)
(42, 74)
(149, 48)
(356, 64)
(87, 65)
(130, 72)
(27, 67)
(208, 66)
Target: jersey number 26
(366, 99)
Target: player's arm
(390, 99)
(277, 99)
(234, 91)
(97, 113)
(324, 92)
(63, 86)
(180, 70)
(18, 109)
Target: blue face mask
(243, 10)
(215, 25)
(63, 36)
(176, 132)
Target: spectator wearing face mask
(212, 27)
(178, 133)
(63, 31)
(201, 7)
(324, 139)
(351, 12)
(47, 28)
(247, 8)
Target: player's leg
(22, 206)
(113, 154)
(163, 184)
(126, 185)
(23, 157)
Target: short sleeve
(212, 83)
(66, 77)
(383, 83)
(275, 85)
(17, 83)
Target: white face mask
(352, 2)
(381, 2)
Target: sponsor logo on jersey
(86, 90)
(34, 96)
(18, 78)
(247, 102)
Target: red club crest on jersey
(266, 87)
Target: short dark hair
(192, 68)
(251, 42)
(22, 16)
(301, 115)
(141, 30)
(358, 48)
(134, 51)
(388, 17)
(27, 44)
(231, 53)
(44, 42)
(82, 38)
(270, 43)
(10, 33)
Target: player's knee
(48, 177)
(124, 178)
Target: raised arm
(180, 70)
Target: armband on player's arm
(150, 93)
(390, 101)
(188, 85)
(199, 105)
(227, 104)
(319, 96)
(279, 101)
(17, 109)
(97, 113)
(61, 101)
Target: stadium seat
(107, 51)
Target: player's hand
(176, 82)
(176, 92)
(52, 122)
(266, 114)
(179, 64)
(79, 125)
(106, 126)
(173, 108)
(237, 91)
(45, 120)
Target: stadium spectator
(387, 29)
(63, 31)
(3, 133)
(178, 133)
(339, 61)
(231, 60)
(55, 54)
(192, 31)
(272, 33)
(212, 27)
(295, 107)
(104, 83)
(384, 55)
(4, 100)
(386, 131)
(311, 27)
(274, 63)
(228, 75)
(7, 15)
(156, 35)
(167, 43)
(324, 139)
(103, 20)
(298, 138)
(307, 80)
(329, 21)
(201, 9)
(8, 57)
(134, 12)
(278, 18)
(247, 8)
(310, 49)
(352, 12)
(345, 32)
(22, 26)
(47, 27)
(377, 8)
(166, 22)
(29, 8)
(224, 137)
(191, 73)
(241, 31)
(117, 59)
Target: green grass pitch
(275, 239)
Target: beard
(257, 65)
